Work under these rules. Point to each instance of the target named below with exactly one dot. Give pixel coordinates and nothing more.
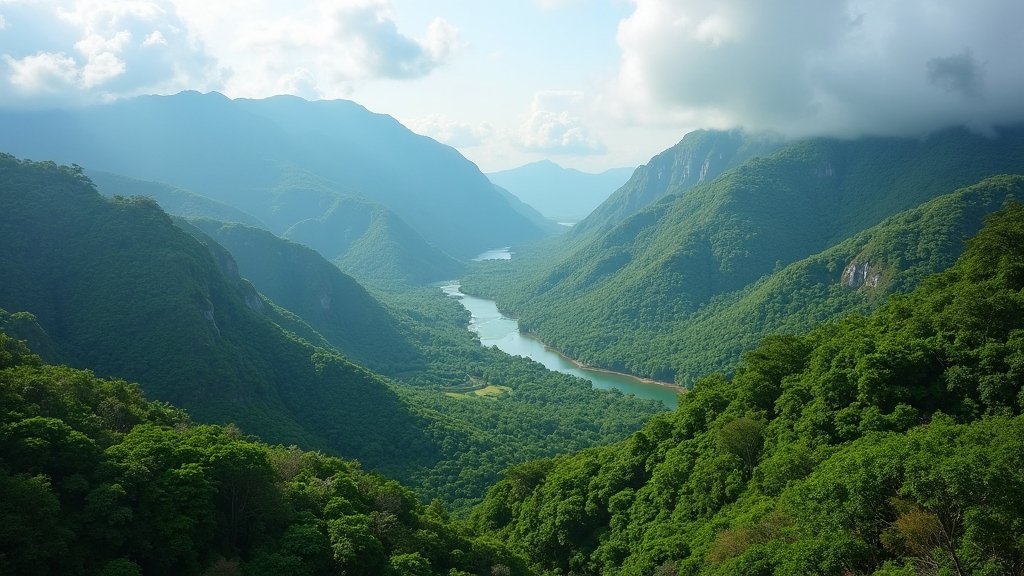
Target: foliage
(886, 444)
(334, 304)
(122, 290)
(97, 480)
(541, 414)
(685, 284)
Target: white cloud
(44, 73)
(75, 51)
(60, 52)
(555, 125)
(3, 22)
(329, 44)
(809, 67)
(155, 38)
(451, 132)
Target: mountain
(606, 298)
(701, 156)
(302, 281)
(561, 194)
(282, 159)
(121, 290)
(172, 200)
(531, 213)
(886, 444)
(116, 286)
(98, 480)
(362, 237)
(372, 243)
(856, 275)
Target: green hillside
(303, 282)
(97, 480)
(172, 200)
(251, 153)
(119, 289)
(856, 275)
(373, 244)
(887, 444)
(602, 299)
(699, 157)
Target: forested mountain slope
(252, 153)
(301, 280)
(372, 243)
(603, 301)
(362, 237)
(97, 480)
(887, 444)
(174, 201)
(121, 290)
(855, 275)
(699, 157)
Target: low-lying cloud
(803, 67)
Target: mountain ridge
(601, 290)
(246, 153)
(560, 194)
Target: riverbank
(495, 329)
(583, 366)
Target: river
(496, 329)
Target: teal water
(496, 329)
(496, 254)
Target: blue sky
(590, 84)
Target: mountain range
(560, 194)
(846, 315)
(621, 291)
(287, 162)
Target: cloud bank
(58, 53)
(555, 125)
(805, 67)
(452, 132)
(61, 52)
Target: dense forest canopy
(97, 480)
(666, 288)
(849, 316)
(118, 287)
(883, 444)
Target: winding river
(496, 329)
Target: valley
(792, 355)
(494, 329)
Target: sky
(589, 84)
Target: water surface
(496, 329)
(496, 254)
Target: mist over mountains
(561, 194)
(283, 160)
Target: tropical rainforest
(676, 276)
(232, 355)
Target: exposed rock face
(207, 311)
(253, 300)
(858, 274)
